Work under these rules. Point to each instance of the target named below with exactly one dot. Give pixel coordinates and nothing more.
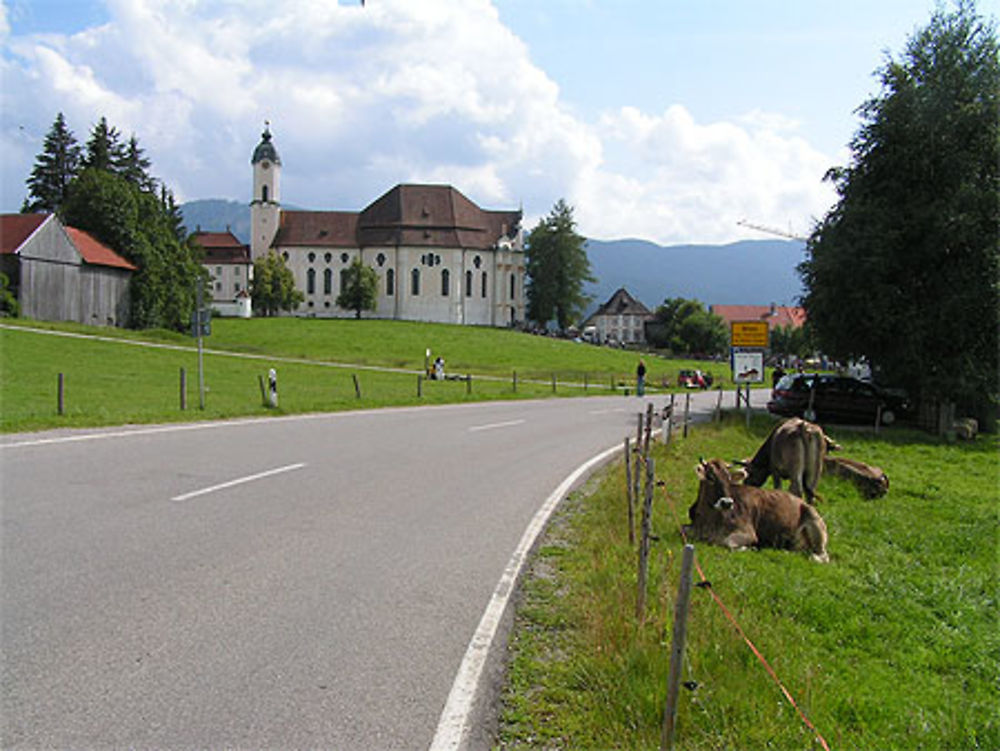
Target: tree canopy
(904, 268)
(273, 286)
(359, 287)
(557, 267)
(687, 327)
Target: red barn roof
(16, 228)
(96, 253)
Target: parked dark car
(836, 399)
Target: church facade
(438, 256)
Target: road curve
(309, 581)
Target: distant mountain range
(749, 272)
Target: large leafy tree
(273, 286)
(360, 285)
(687, 327)
(557, 267)
(55, 168)
(904, 268)
(138, 225)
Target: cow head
(713, 510)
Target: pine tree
(55, 168)
(104, 149)
(134, 166)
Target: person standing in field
(640, 379)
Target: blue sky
(659, 119)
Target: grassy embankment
(109, 383)
(893, 645)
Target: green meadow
(893, 645)
(110, 380)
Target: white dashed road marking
(237, 481)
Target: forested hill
(751, 272)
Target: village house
(230, 271)
(621, 320)
(438, 256)
(777, 316)
(60, 273)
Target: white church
(438, 256)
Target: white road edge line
(494, 425)
(237, 481)
(453, 724)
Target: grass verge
(894, 645)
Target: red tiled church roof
(412, 215)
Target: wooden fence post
(553, 383)
(677, 650)
(61, 400)
(263, 391)
(670, 425)
(585, 382)
(644, 539)
(628, 492)
(649, 429)
(468, 383)
(357, 386)
(515, 381)
(420, 386)
(183, 390)
(687, 412)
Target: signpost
(201, 326)
(748, 341)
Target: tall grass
(894, 644)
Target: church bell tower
(265, 206)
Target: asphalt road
(295, 582)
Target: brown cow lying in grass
(871, 481)
(740, 516)
(795, 450)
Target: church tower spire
(265, 205)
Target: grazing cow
(871, 481)
(740, 516)
(795, 449)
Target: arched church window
(312, 258)
(380, 259)
(311, 281)
(343, 279)
(344, 257)
(445, 282)
(328, 281)
(484, 284)
(415, 282)
(477, 262)
(468, 284)
(285, 255)
(513, 285)
(263, 193)
(390, 282)
(328, 257)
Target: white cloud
(363, 98)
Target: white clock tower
(265, 206)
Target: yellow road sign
(749, 334)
